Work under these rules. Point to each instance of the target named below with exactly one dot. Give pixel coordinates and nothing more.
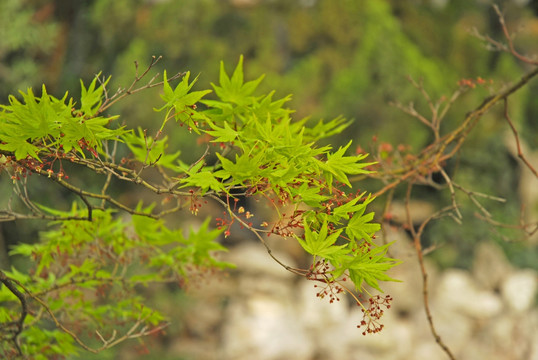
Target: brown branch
(256, 233)
(101, 167)
(436, 153)
(122, 93)
(516, 137)
(436, 116)
(499, 46)
(472, 196)
(83, 194)
(130, 334)
(430, 159)
(508, 37)
(411, 111)
(8, 215)
(418, 247)
(459, 135)
(452, 192)
(108, 179)
(528, 228)
(19, 324)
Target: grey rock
(459, 293)
(519, 290)
(490, 265)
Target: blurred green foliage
(25, 42)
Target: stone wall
(262, 312)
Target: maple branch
(121, 93)
(417, 235)
(518, 144)
(19, 324)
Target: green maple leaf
(225, 134)
(351, 207)
(150, 151)
(204, 180)
(182, 101)
(310, 195)
(233, 89)
(21, 148)
(244, 168)
(360, 225)
(369, 266)
(339, 166)
(90, 98)
(321, 243)
(203, 243)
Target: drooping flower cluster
(372, 314)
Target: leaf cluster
(45, 124)
(345, 240)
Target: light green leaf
(226, 134)
(340, 166)
(320, 243)
(234, 90)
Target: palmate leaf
(202, 244)
(233, 89)
(308, 194)
(20, 148)
(45, 122)
(182, 101)
(33, 119)
(36, 117)
(321, 243)
(324, 130)
(204, 180)
(339, 166)
(360, 225)
(91, 97)
(244, 168)
(265, 106)
(150, 151)
(225, 134)
(343, 211)
(201, 177)
(369, 266)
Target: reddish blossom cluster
(320, 271)
(471, 83)
(227, 221)
(195, 203)
(372, 314)
(25, 167)
(85, 146)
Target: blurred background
(337, 57)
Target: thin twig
(508, 37)
(533, 227)
(256, 233)
(518, 144)
(417, 234)
(130, 334)
(10, 284)
(452, 192)
(121, 93)
(473, 194)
